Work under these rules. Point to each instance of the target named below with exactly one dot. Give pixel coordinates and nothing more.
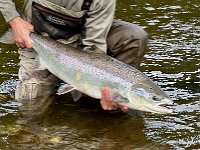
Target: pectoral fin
(116, 97)
(121, 100)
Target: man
(82, 23)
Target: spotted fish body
(88, 72)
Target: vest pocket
(57, 25)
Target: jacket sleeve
(8, 9)
(98, 23)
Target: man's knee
(127, 42)
(124, 33)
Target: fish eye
(155, 98)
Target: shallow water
(172, 61)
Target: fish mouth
(157, 107)
(162, 106)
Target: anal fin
(76, 95)
(37, 65)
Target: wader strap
(86, 4)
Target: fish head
(150, 102)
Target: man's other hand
(21, 31)
(106, 102)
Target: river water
(172, 61)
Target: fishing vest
(54, 20)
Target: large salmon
(88, 72)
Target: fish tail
(7, 37)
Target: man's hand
(106, 102)
(21, 31)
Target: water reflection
(83, 125)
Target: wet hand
(106, 102)
(21, 31)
